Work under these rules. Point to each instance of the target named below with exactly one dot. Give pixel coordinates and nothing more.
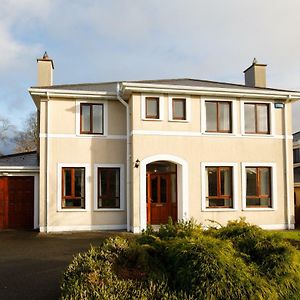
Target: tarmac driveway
(32, 263)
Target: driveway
(31, 263)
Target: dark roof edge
(18, 154)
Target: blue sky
(93, 41)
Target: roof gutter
(128, 87)
(128, 156)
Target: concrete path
(31, 263)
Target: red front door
(16, 202)
(160, 202)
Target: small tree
(6, 132)
(28, 139)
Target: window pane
(79, 182)
(73, 203)
(67, 182)
(163, 190)
(264, 181)
(250, 118)
(212, 181)
(85, 118)
(251, 181)
(109, 188)
(154, 181)
(224, 116)
(262, 118)
(252, 202)
(98, 118)
(211, 116)
(226, 181)
(179, 108)
(296, 153)
(152, 108)
(216, 202)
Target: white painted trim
(235, 198)
(233, 115)
(135, 229)
(161, 106)
(83, 228)
(196, 134)
(187, 108)
(271, 117)
(83, 136)
(19, 169)
(212, 91)
(87, 187)
(277, 226)
(182, 188)
(122, 189)
(273, 185)
(105, 116)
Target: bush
(181, 261)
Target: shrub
(181, 261)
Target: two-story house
(121, 155)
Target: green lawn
(289, 234)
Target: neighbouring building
(121, 155)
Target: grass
(289, 234)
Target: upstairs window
(257, 119)
(152, 107)
(108, 188)
(258, 187)
(179, 109)
(219, 187)
(91, 118)
(218, 116)
(73, 188)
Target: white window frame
(273, 185)
(234, 185)
(187, 108)
(161, 107)
(105, 116)
(122, 186)
(234, 114)
(271, 118)
(86, 190)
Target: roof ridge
(18, 154)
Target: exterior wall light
(137, 163)
(278, 105)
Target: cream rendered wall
(213, 148)
(67, 147)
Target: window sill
(92, 135)
(259, 209)
(179, 121)
(258, 134)
(109, 209)
(219, 209)
(72, 209)
(219, 133)
(149, 119)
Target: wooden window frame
(98, 187)
(184, 118)
(155, 117)
(256, 119)
(219, 188)
(72, 196)
(91, 118)
(258, 195)
(218, 117)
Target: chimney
(255, 75)
(45, 70)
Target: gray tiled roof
(26, 159)
(111, 87)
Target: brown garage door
(16, 202)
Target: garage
(16, 202)
(19, 191)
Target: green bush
(181, 261)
